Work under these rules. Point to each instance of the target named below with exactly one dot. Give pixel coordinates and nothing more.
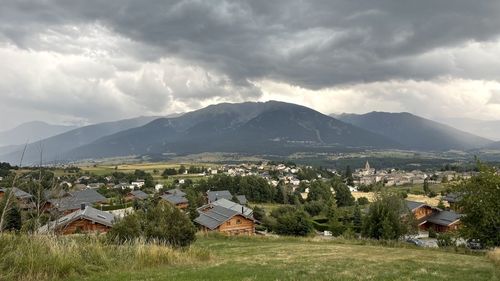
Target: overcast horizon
(70, 63)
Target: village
(84, 202)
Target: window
(228, 223)
(238, 221)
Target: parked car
(474, 244)
(415, 242)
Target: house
(83, 220)
(138, 183)
(432, 217)
(226, 217)
(178, 201)
(136, 195)
(443, 221)
(213, 196)
(158, 187)
(23, 198)
(453, 199)
(74, 200)
(176, 191)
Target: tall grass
(42, 258)
(494, 255)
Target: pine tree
(357, 220)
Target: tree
(441, 204)
(334, 223)
(13, 220)
(161, 222)
(348, 176)
(169, 172)
(259, 213)
(182, 169)
(294, 223)
(319, 191)
(357, 219)
(426, 186)
(386, 220)
(343, 195)
(480, 204)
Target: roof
(139, 194)
(444, 218)
(20, 194)
(233, 206)
(88, 213)
(453, 197)
(176, 191)
(242, 199)
(214, 214)
(218, 194)
(77, 198)
(174, 199)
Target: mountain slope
(56, 147)
(415, 132)
(271, 127)
(31, 131)
(485, 128)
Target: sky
(82, 62)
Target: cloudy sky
(88, 61)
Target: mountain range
(272, 127)
(31, 131)
(415, 132)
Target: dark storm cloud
(314, 44)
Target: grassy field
(314, 259)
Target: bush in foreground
(162, 222)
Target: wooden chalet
(432, 217)
(71, 201)
(178, 201)
(136, 195)
(226, 217)
(84, 220)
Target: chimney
(82, 206)
(242, 209)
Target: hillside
(55, 147)
(31, 131)
(313, 259)
(415, 132)
(271, 127)
(485, 128)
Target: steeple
(367, 166)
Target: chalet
(226, 217)
(242, 199)
(432, 217)
(136, 195)
(453, 199)
(23, 198)
(178, 201)
(84, 220)
(74, 200)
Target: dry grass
(412, 197)
(494, 255)
(54, 258)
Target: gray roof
(214, 214)
(453, 197)
(242, 199)
(20, 194)
(174, 199)
(233, 206)
(88, 213)
(444, 218)
(412, 205)
(139, 194)
(176, 191)
(76, 198)
(218, 194)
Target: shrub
(432, 233)
(294, 223)
(445, 240)
(363, 201)
(163, 222)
